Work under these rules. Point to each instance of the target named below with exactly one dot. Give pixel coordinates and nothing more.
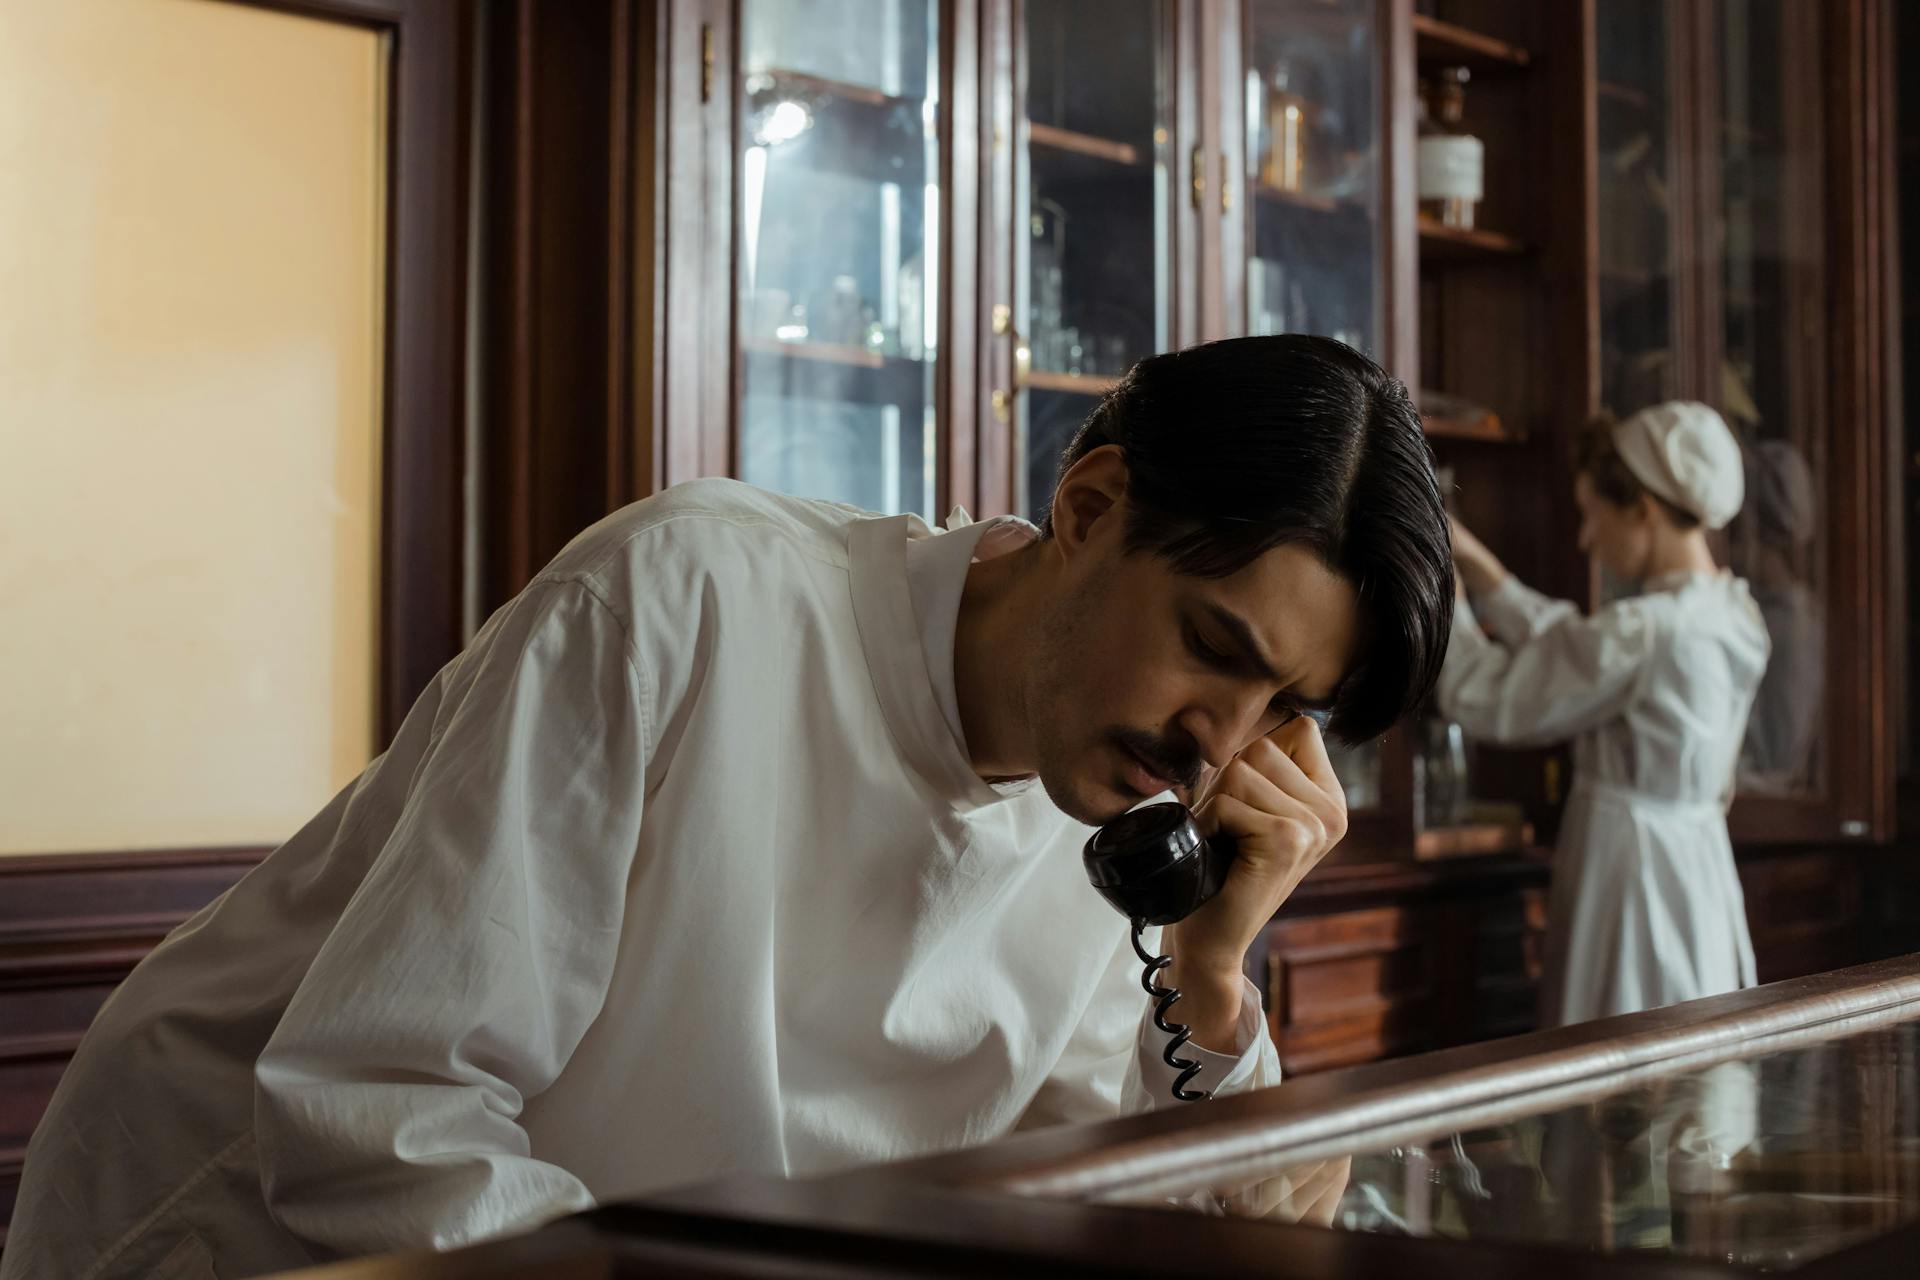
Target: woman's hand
(1480, 569)
(1284, 807)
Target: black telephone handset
(1155, 867)
(1153, 864)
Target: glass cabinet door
(1772, 380)
(1093, 181)
(1311, 91)
(838, 250)
(1713, 288)
(1634, 57)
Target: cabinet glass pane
(839, 250)
(1764, 1163)
(1311, 89)
(1773, 372)
(1096, 176)
(1634, 57)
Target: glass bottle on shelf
(1451, 161)
(1445, 791)
(839, 251)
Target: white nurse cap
(1683, 452)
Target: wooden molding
(72, 926)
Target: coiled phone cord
(1179, 1031)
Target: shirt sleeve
(1114, 1063)
(1514, 613)
(1564, 673)
(472, 959)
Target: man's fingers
(1246, 783)
(1295, 842)
(1298, 758)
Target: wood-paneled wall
(71, 928)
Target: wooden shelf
(828, 371)
(1608, 91)
(825, 352)
(1443, 42)
(1080, 384)
(820, 86)
(1487, 428)
(1471, 840)
(1630, 277)
(1310, 202)
(1750, 136)
(1084, 144)
(1441, 243)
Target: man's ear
(1093, 489)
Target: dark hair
(1596, 458)
(1239, 446)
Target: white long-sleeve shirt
(679, 870)
(1654, 691)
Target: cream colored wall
(190, 304)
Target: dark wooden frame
(422, 379)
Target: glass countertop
(1763, 1162)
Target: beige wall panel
(191, 231)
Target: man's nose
(1223, 726)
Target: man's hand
(1283, 805)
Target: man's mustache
(1179, 762)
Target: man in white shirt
(747, 839)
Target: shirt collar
(907, 582)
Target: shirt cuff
(1254, 1063)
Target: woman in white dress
(1654, 689)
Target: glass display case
(1772, 382)
(1716, 223)
(839, 251)
(1775, 1130)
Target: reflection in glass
(839, 262)
(1096, 278)
(1636, 195)
(1768, 1161)
(1773, 373)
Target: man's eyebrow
(1241, 637)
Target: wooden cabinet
(896, 260)
(1403, 962)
